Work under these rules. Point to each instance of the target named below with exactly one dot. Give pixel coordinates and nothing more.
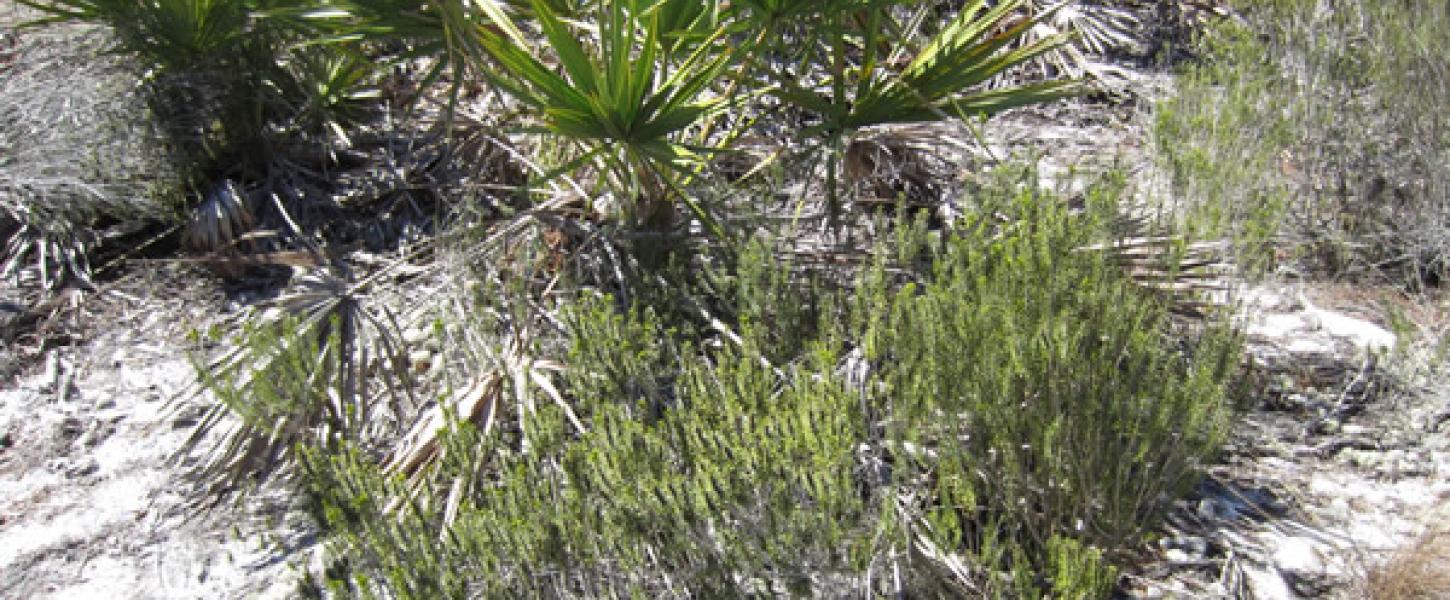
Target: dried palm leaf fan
(219, 219)
(44, 226)
(911, 166)
(1097, 30)
(300, 374)
(1193, 276)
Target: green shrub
(741, 482)
(1024, 410)
(1331, 116)
(1220, 140)
(1044, 387)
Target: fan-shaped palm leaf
(975, 47)
(626, 96)
(299, 374)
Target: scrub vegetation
(709, 311)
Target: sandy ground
(92, 504)
(1341, 460)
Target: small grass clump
(1414, 571)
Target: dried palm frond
(517, 378)
(46, 227)
(76, 148)
(300, 373)
(1096, 30)
(219, 219)
(1099, 29)
(322, 346)
(912, 164)
(1194, 276)
(505, 338)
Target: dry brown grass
(1418, 571)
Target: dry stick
(955, 572)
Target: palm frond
(220, 219)
(299, 374)
(1094, 30)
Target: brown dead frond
(910, 164)
(1194, 276)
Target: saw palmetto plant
(625, 96)
(630, 82)
(300, 375)
(874, 73)
(331, 89)
(937, 83)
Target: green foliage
(971, 49)
(1327, 119)
(778, 310)
(1221, 139)
(631, 358)
(1077, 571)
(1043, 383)
(741, 484)
(1001, 394)
(1023, 407)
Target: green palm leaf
(627, 90)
